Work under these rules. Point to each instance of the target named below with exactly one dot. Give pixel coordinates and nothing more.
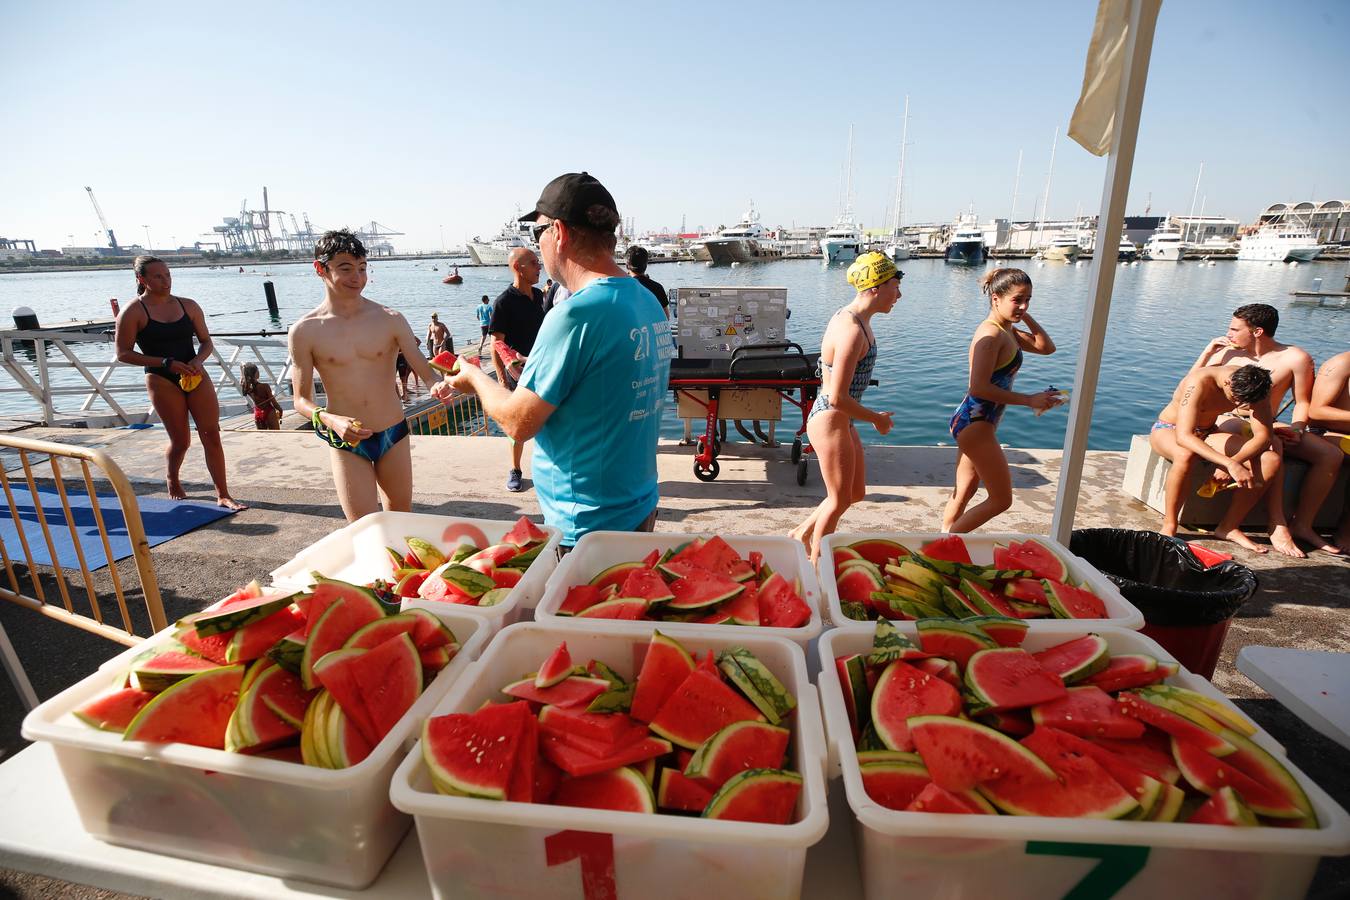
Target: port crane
(112, 238)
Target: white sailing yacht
(898, 248)
(843, 241)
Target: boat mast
(1045, 203)
(1191, 218)
(1017, 184)
(900, 179)
(848, 184)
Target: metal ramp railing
(58, 598)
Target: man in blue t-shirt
(594, 387)
(484, 314)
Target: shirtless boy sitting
(353, 343)
(1330, 412)
(1251, 339)
(1185, 433)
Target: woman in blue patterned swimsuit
(995, 356)
(852, 352)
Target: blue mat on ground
(163, 520)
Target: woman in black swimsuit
(162, 327)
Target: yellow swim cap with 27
(871, 269)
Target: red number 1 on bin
(594, 851)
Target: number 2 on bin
(594, 851)
(1118, 865)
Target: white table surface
(1313, 684)
(40, 832)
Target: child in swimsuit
(852, 352)
(266, 409)
(995, 356)
(353, 343)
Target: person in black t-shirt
(517, 314)
(637, 266)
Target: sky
(439, 119)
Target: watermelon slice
(679, 792)
(759, 685)
(615, 575)
(948, 549)
(114, 712)
(623, 790)
(781, 604)
(163, 670)
(212, 648)
(249, 642)
(960, 754)
(1127, 670)
(1076, 659)
(1034, 557)
(698, 590)
(698, 708)
(933, 799)
(953, 639)
(841, 555)
(474, 754)
(1006, 632)
(743, 609)
(647, 584)
(349, 612)
(524, 533)
(1208, 774)
(1010, 678)
(1132, 704)
(857, 583)
(739, 746)
(1224, 807)
(984, 599)
(577, 762)
(573, 691)
(1068, 602)
(238, 614)
(445, 362)
(878, 551)
(196, 710)
(1081, 789)
(1027, 590)
(894, 785)
(904, 692)
(580, 597)
(629, 608)
(666, 666)
(757, 795)
(368, 637)
(325, 593)
(1089, 712)
(557, 667)
(852, 671)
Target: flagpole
(1142, 18)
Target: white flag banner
(1095, 114)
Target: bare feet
(176, 491)
(1169, 529)
(1316, 541)
(803, 533)
(1284, 542)
(230, 503)
(1237, 537)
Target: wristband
(168, 361)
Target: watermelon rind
(759, 685)
(695, 591)
(615, 574)
(1005, 631)
(877, 776)
(774, 787)
(468, 581)
(557, 667)
(1258, 763)
(852, 671)
(1168, 805)
(711, 757)
(521, 561)
(212, 622)
(888, 644)
(114, 711)
(866, 757)
(289, 652)
(1212, 708)
(615, 700)
(196, 710)
(958, 604)
(878, 550)
(1170, 703)
(1082, 788)
(903, 693)
(631, 608)
(1067, 601)
(428, 555)
(856, 582)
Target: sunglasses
(538, 231)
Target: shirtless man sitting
(1186, 434)
(1251, 339)
(1329, 411)
(353, 343)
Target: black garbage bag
(1161, 576)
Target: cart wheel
(801, 471)
(796, 450)
(708, 474)
(699, 443)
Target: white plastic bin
(356, 553)
(1119, 611)
(280, 818)
(485, 848)
(904, 854)
(599, 550)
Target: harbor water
(1162, 315)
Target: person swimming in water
(852, 352)
(995, 356)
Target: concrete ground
(284, 477)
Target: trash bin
(1187, 608)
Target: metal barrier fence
(40, 599)
(462, 417)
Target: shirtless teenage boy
(1251, 339)
(1185, 433)
(353, 342)
(1330, 411)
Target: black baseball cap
(569, 196)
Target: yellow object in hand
(1212, 487)
(189, 382)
